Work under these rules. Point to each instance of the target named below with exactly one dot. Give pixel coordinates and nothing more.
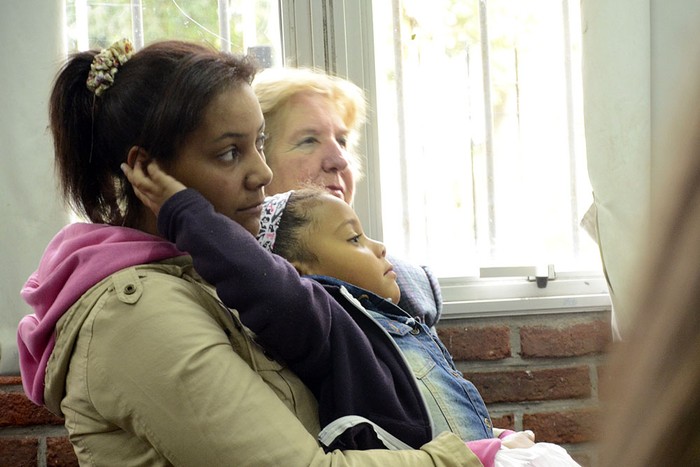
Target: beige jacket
(149, 368)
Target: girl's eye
(355, 239)
(229, 155)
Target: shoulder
(420, 290)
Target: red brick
(19, 451)
(504, 421)
(533, 385)
(10, 380)
(59, 453)
(569, 341)
(17, 410)
(476, 343)
(575, 426)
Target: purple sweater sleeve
(269, 294)
(299, 322)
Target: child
(322, 237)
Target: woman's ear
(137, 153)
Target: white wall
(31, 46)
(640, 56)
(675, 69)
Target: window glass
(480, 130)
(247, 25)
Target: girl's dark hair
(297, 216)
(158, 98)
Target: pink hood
(78, 257)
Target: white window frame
(337, 36)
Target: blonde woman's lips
(336, 191)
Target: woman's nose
(335, 158)
(259, 174)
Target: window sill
(477, 298)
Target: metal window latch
(543, 274)
(539, 274)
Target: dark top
(344, 357)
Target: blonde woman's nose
(335, 159)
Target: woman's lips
(336, 191)
(252, 209)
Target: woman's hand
(152, 186)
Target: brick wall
(30, 435)
(537, 372)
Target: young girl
(127, 342)
(322, 237)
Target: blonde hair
(275, 86)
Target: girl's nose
(378, 248)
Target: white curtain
(31, 48)
(638, 55)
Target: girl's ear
(137, 153)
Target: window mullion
(488, 126)
(137, 24)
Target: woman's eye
(229, 155)
(308, 140)
(342, 142)
(260, 142)
(355, 239)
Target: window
(481, 144)
(475, 145)
(481, 133)
(240, 26)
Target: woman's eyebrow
(238, 135)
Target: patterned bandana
(273, 208)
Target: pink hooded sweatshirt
(78, 257)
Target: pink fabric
(78, 257)
(485, 450)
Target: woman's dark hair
(158, 98)
(297, 216)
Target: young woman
(127, 341)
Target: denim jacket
(454, 403)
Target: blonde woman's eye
(308, 140)
(342, 142)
